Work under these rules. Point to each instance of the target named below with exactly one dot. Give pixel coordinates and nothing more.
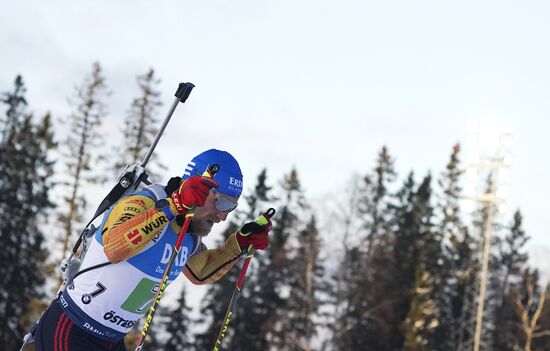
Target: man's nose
(222, 216)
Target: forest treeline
(392, 264)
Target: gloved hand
(192, 193)
(255, 234)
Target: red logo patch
(135, 237)
(139, 202)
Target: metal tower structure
(489, 142)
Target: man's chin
(201, 228)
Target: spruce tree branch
(296, 341)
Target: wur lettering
(156, 224)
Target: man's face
(206, 216)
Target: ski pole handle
(263, 220)
(184, 89)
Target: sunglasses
(224, 204)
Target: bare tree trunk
(528, 319)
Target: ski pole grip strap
(257, 226)
(269, 213)
(184, 89)
(266, 216)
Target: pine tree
(395, 263)
(375, 203)
(512, 261)
(455, 255)
(276, 277)
(81, 158)
(343, 224)
(178, 325)
(465, 295)
(25, 173)
(140, 126)
(303, 303)
(415, 248)
(420, 319)
(512, 256)
(16, 108)
(365, 270)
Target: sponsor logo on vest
(180, 259)
(236, 182)
(92, 329)
(113, 318)
(134, 237)
(138, 202)
(154, 290)
(123, 218)
(132, 209)
(63, 301)
(156, 238)
(152, 226)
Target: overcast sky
(319, 85)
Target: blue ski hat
(229, 176)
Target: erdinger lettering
(236, 182)
(113, 318)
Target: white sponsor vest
(107, 301)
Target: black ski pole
(237, 291)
